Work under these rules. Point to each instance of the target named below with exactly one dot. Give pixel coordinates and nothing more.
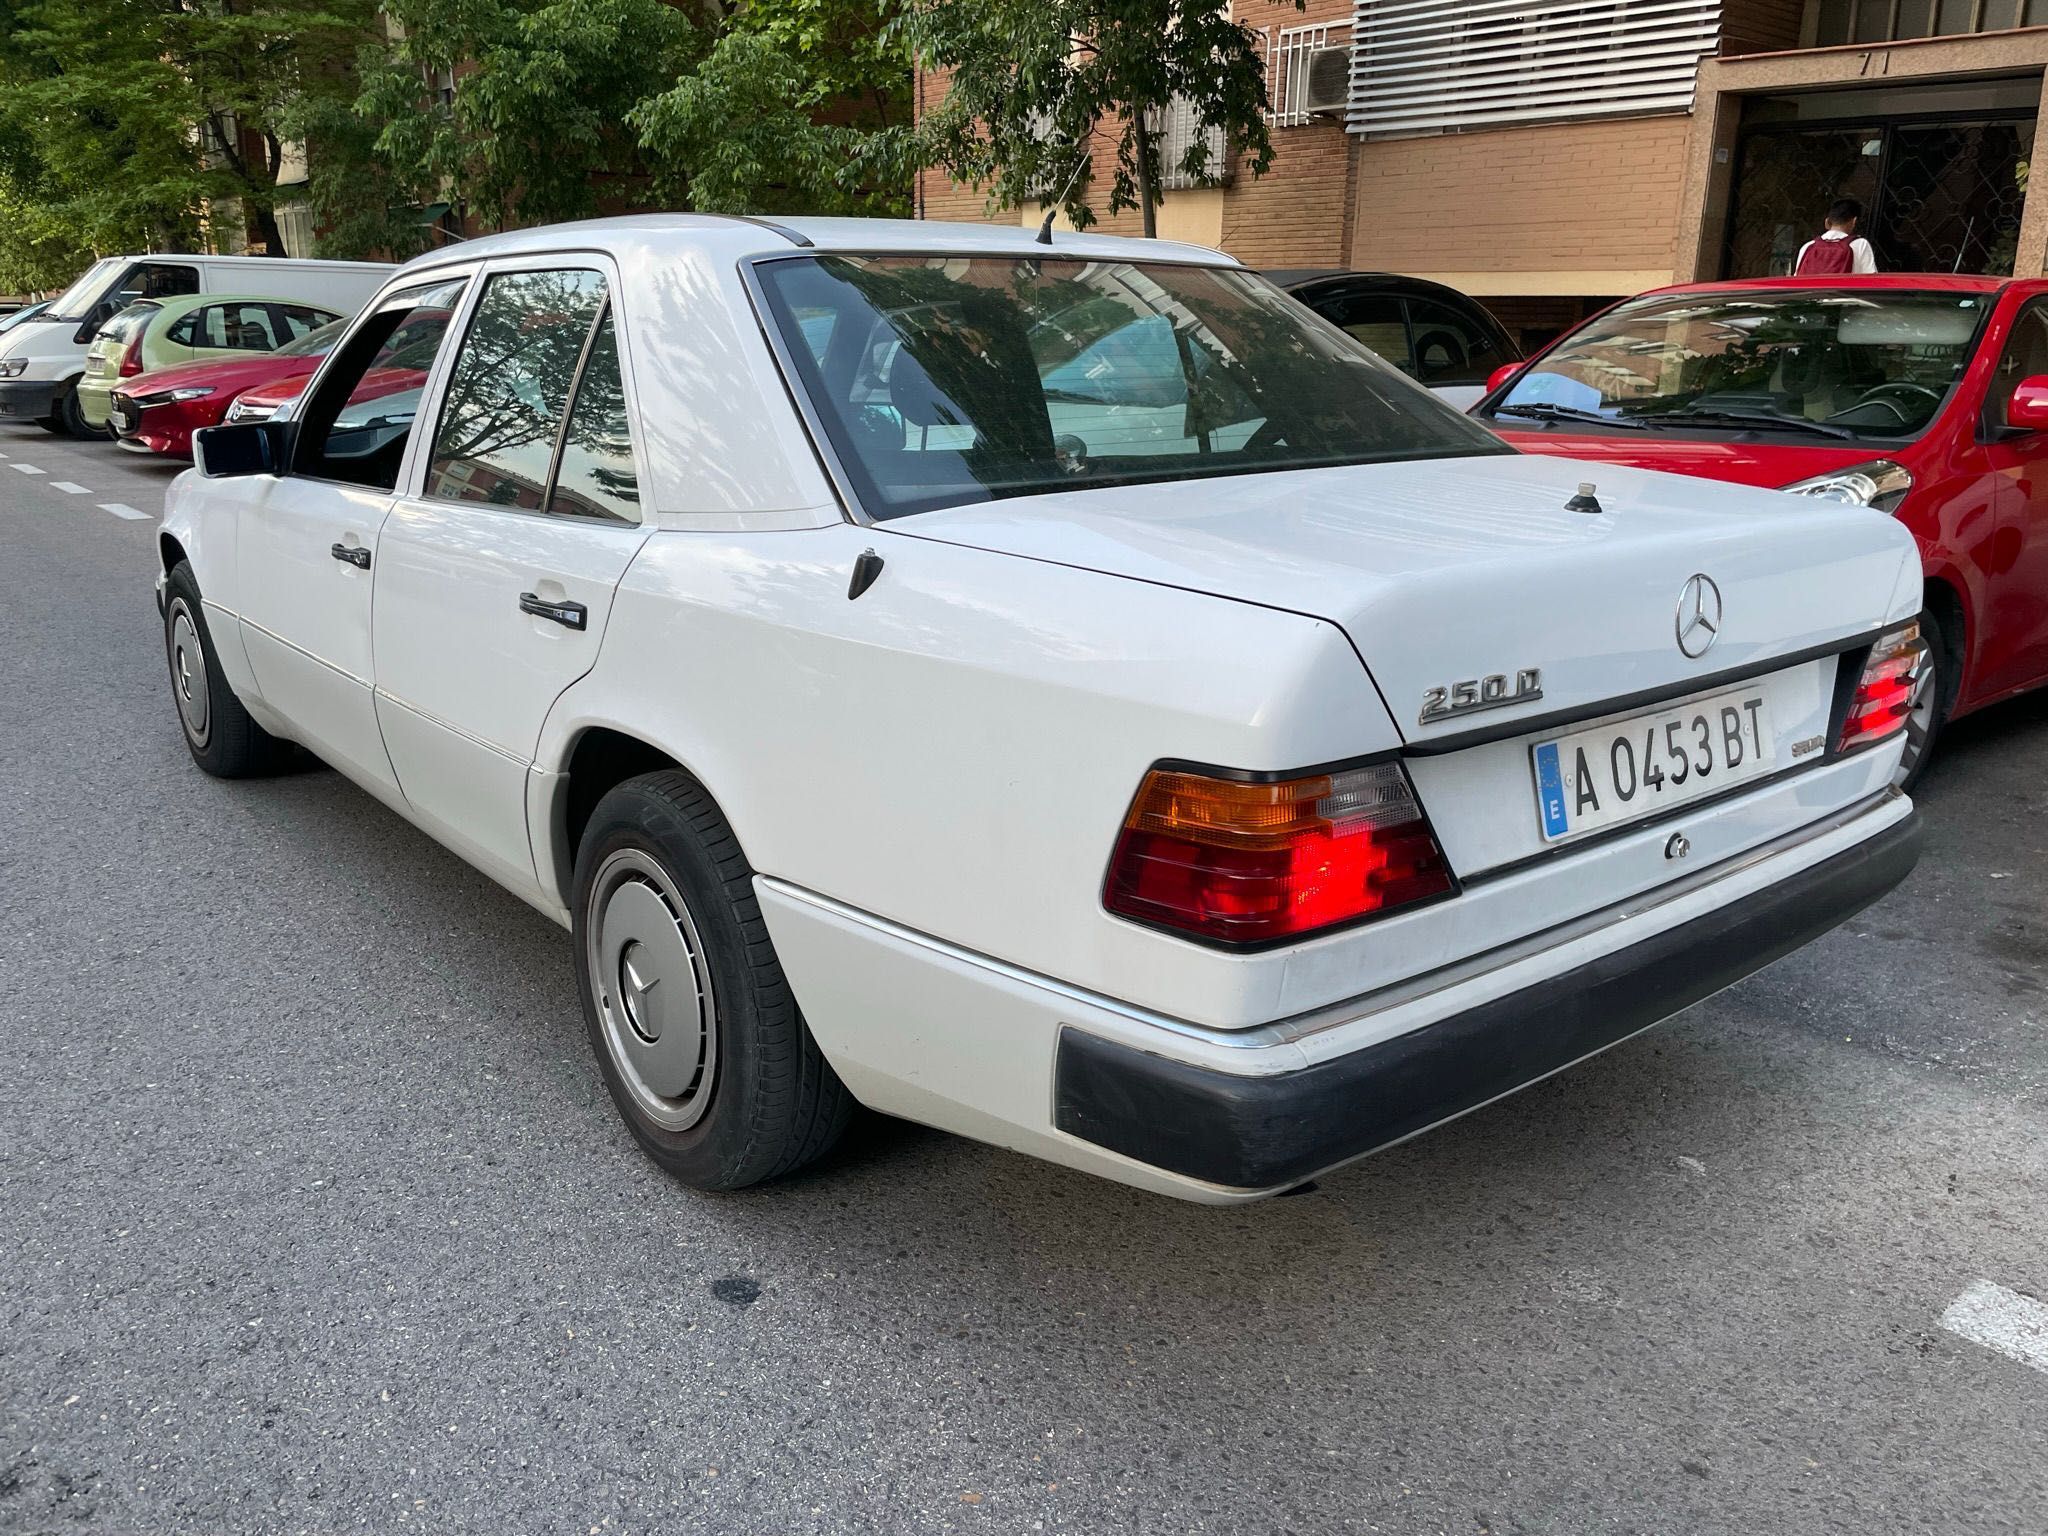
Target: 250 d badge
(1478, 693)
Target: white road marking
(122, 509)
(2000, 1319)
(28, 469)
(69, 488)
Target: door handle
(355, 555)
(573, 615)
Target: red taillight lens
(1883, 700)
(1248, 863)
(131, 360)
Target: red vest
(1827, 258)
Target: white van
(41, 361)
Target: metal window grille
(1287, 51)
(1423, 66)
(1175, 128)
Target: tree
(1035, 83)
(122, 119)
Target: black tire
(218, 732)
(69, 412)
(763, 1101)
(1925, 729)
(52, 423)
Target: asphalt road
(314, 1215)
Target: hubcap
(188, 674)
(653, 989)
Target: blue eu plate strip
(1550, 791)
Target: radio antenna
(1045, 228)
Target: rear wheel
(219, 733)
(1933, 696)
(72, 415)
(691, 1019)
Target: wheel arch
(169, 550)
(1949, 602)
(597, 758)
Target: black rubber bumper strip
(1262, 1132)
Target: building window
(1434, 66)
(1288, 51)
(1175, 130)
(1884, 21)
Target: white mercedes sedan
(1067, 694)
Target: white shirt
(1860, 254)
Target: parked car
(1432, 333)
(1922, 396)
(41, 362)
(166, 333)
(408, 353)
(22, 316)
(1204, 813)
(159, 411)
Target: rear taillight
(131, 360)
(1242, 862)
(1883, 700)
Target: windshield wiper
(1761, 419)
(1543, 411)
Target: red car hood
(375, 384)
(230, 375)
(1764, 464)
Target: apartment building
(1551, 156)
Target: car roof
(748, 236)
(1921, 282)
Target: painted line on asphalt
(69, 488)
(28, 469)
(122, 509)
(2003, 1320)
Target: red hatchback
(1925, 397)
(158, 412)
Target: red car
(158, 412)
(1925, 397)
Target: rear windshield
(1866, 364)
(942, 380)
(124, 325)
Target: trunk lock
(1678, 846)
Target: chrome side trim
(1352, 1010)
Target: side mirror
(247, 448)
(2027, 411)
(1501, 375)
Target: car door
(307, 539)
(495, 577)
(2012, 640)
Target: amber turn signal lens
(1243, 862)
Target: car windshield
(124, 325)
(946, 379)
(1866, 364)
(317, 342)
(76, 302)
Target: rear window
(942, 380)
(131, 320)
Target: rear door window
(1451, 346)
(1374, 319)
(595, 475)
(509, 390)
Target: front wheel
(71, 414)
(692, 1021)
(219, 733)
(1933, 696)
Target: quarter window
(595, 476)
(356, 426)
(511, 385)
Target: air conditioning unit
(1327, 80)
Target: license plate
(124, 420)
(1628, 769)
(95, 365)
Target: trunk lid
(1460, 570)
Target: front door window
(356, 425)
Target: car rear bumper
(1256, 1132)
(922, 1029)
(26, 399)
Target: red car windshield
(1864, 365)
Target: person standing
(1837, 250)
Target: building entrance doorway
(1942, 191)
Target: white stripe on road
(122, 509)
(28, 469)
(69, 488)
(1989, 1314)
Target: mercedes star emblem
(1699, 616)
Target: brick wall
(1579, 197)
